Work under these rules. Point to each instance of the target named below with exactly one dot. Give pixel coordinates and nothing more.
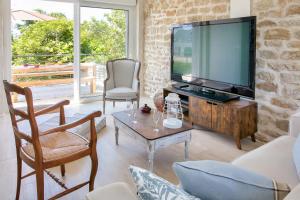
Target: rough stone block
(267, 54)
(219, 9)
(283, 125)
(290, 55)
(297, 34)
(266, 76)
(266, 23)
(293, 10)
(294, 44)
(267, 86)
(290, 78)
(262, 4)
(284, 103)
(277, 34)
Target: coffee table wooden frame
(154, 144)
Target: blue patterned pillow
(152, 187)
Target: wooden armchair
(51, 148)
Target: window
(60, 49)
(42, 48)
(103, 36)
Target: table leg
(151, 151)
(117, 135)
(186, 146)
(238, 142)
(253, 138)
(186, 149)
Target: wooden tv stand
(237, 118)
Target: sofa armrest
(294, 194)
(294, 126)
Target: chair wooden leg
(40, 184)
(19, 175)
(103, 106)
(62, 170)
(238, 143)
(94, 169)
(253, 138)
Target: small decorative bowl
(146, 109)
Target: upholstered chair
(122, 82)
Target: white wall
(5, 46)
(119, 2)
(240, 8)
(140, 39)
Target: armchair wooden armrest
(51, 108)
(64, 127)
(23, 136)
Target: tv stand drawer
(200, 112)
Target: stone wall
(159, 16)
(278, 64)
(278, 52)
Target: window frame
(131, 43)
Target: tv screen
(216, 54)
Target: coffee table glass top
(145, 125)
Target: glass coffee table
(143, 131)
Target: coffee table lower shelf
(154, 144)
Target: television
(216, 55)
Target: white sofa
(274, 160)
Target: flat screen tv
(216, 55)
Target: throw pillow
(215, 180)
(152, 187)
(296, 155)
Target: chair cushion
(114, 191)
(150, 187)
(296, 155)
(58, 145)
(123, 71)
(121, 93)
(215, 180)
(274, 160)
